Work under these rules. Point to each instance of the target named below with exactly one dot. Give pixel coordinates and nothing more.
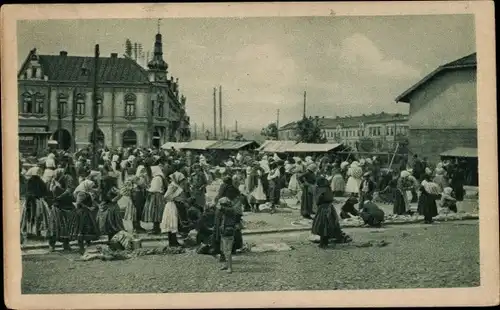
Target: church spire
(157, 63)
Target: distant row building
(383, 128)
(136, 105)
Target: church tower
(158, 68)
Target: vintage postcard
(250, 155)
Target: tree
(270, 132)
(309, 131)
(365, 144)
(128, 48)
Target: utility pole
(203, 129)
(220, 109)
(95, 109)
(215, 113)
(236, 126)
(73, 120)
(59, 123)
(278, 119)
(195, 132)
(305, 104)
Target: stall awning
(313, 147)
(467, 152)
(199, 144)
(276, 146)
(176, 145)
(231, 145)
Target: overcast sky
(349, 65)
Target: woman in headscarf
(429, 193)
(35, 210)
(355, 173)
(294, 184)
(138, 196)
(198, 186)
(264, 164)
(448, 202)
(50, 166)
(153, 209)
(62, 212)
(338, 184)
(308, 184)
(401, 201)
(274, 186)
(229, 191)
(109, 219)
(229, 224)
(84, 227)
(440, 178)
(257, 195)
(326, 222)
(174, 197)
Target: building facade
(443, 109)
(383, 129)
(135, 105)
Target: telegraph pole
(215, 113)
(95, 110)
(236, 126)
(59, 123)
(305, 103)
(220, 109)
(278, 119)
(73, 121)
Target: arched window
(27, 103)
(62, 107)
(161, 106)
(99, 105)
(129, 138)
(130, 100)
(80, 104)
(39, 102)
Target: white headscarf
(404, 174)
(156, 171)
(115, 158)
(156, 185)
(344, 165)
(86, 186)
(32, 171)
(131, 158)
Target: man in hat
(366, 189)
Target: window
(161, 106)
(33, 73)
(27, 103)
(80, 104)
(130, 100)
(99, 105)
(39, 103)
(62, 107)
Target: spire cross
(159, 25)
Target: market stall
(470, 159)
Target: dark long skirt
(199, 198)
(274, 192)
(34, 216)
(400, 202)
(84, 226)
(265, 185)
(326, 222)
(428, 205)
(153, 209)
(306, 203)
(458, 189)
(138, 200)
(60, 220)
(109, 220)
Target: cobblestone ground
(416, 256)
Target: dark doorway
(129, 138)
(100, 138)
(63, 138)
(156, 139)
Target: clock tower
(157, 66)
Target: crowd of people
(64, 196)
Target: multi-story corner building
(382, 128)
(136, 105)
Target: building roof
(199, 144)
(354, 121)
(313, 147)
(465, 152)
(469, 61)
(276, 146)
(69, 69)
(231, 145)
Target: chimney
(63, 53)
(114, 55)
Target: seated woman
(348, 208)
(326, 222)
(448, 201)
(371, 214)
